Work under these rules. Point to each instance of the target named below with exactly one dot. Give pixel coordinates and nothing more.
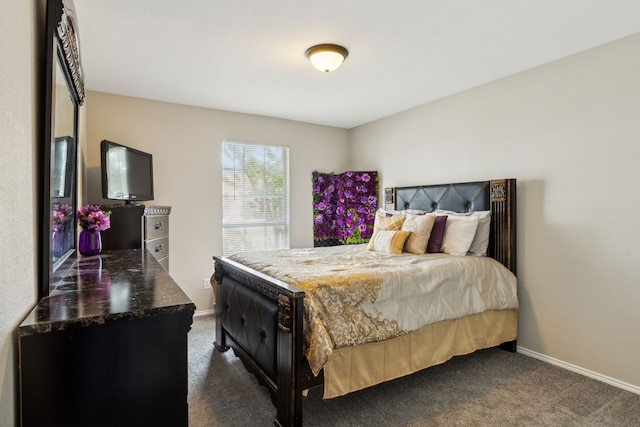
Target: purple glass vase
(90, 242)
(60, 242)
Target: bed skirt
(355, 368)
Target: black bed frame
(260, 317)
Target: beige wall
(186, 143)
(18, 201)
(569, 132)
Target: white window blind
(255, 197)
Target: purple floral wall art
(344, 207)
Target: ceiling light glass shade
(326, 57)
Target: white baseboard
(204, 312)
(582, 371)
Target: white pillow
(459, 232)
(385, 212)
(415, 212)
(481, 239)
(420, 227)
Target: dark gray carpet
(487, 388)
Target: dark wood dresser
(108, 347)
(139, 226)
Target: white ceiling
(248, 55)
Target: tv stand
(135, 226)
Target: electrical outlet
(206, 284)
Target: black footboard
(260, 318)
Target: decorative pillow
(437, 233)
(391, 223)
(388, 241)
(481, 240)
(458, 234)
(420, 227)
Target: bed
(261, 316)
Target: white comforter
(355, 296)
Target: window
(255, 197)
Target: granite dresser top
(115, 284)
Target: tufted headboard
(498, 196)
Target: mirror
(63, 165)
(64, 93)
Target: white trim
(577, 369)
(199, 313)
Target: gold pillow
(387, 223)
(420, 227)
(388, 241)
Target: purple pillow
(437, 233)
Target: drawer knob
(159, 226)
(159, 248)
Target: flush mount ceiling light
(326, 57)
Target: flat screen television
(127, 173)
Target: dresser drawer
(155, 226)
(158, 247)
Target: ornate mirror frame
(63, 95)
